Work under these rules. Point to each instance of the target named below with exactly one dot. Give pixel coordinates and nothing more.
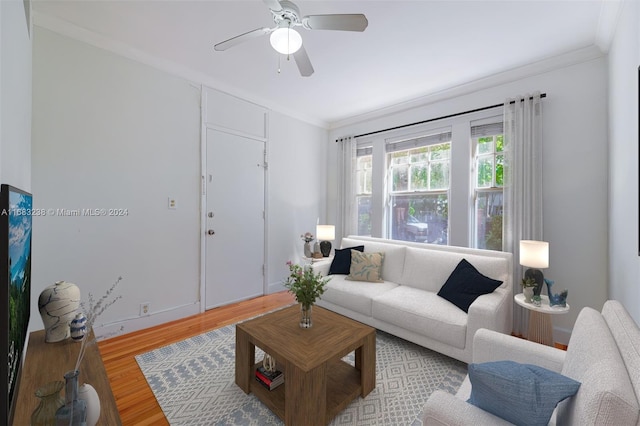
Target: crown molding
(610, 11)
(92, 38)
(508, 76)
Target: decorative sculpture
(558, 299)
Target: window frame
(493, 189)
(461, 201)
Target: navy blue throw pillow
(342, 260)
(465, 284)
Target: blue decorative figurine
(78, 327)
(558, 299)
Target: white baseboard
(129, 325)
(275, 288)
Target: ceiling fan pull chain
(288, 42)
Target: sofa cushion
(606, 395)
(465, 284)
(523, 394)
(428, 269)
(366, 267)
(422, 312)
(342, 260)
(354, 295)
(393, 256)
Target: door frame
(204, 126)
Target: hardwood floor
(135, 401)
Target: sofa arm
(443, 408)
(322, 266)
(490, 346)
(492, 311)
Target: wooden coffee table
(317, 383)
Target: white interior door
(234, 218)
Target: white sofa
(407, 305)
(603, 355)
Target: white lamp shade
(325, 232)
(534, 254)
(286, 40)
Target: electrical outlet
(145, 309)
(172, 203)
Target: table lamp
(325, 234)
(534, 255)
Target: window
(438, 182)
(488, 143)
(363, 189)
(418, 188)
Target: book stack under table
(269, 379)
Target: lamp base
(537, 276)
(325, 248)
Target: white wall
(574, 166)
(624, 59)
(15, 102)
(297, 186)
(109, 132)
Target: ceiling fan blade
(274, 5)
(241, 38)
(346, 22)
(303, 62)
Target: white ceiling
(409, 50)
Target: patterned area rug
(194, 383)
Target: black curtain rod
(542, 95)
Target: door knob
(211, 232)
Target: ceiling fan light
(286, 40)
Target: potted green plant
(528, 284)
(307, 287)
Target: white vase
(528, 293)
(58, 305)
(90, 396)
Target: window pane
(439, 175)
(364, 215)
(485, 172)
(419, 177)
(400, 178)
(422, 218)
(489, 220)
(500, 170)
(485, 145)
(363, 174)
(441, 152)
(499, 143)
(419, 155)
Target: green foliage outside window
(490, 166)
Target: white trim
(265, 214)
(203, 199)
(610, 12)
(540, 67)
(230, 131)
(129, 325)
(75, 32)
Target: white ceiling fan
(286, 40)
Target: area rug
(194, 383)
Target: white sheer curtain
(523, 186)
(347, 186)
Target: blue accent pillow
(465, 284)
(341, 263)
(523, 394)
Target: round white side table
(540, 330)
